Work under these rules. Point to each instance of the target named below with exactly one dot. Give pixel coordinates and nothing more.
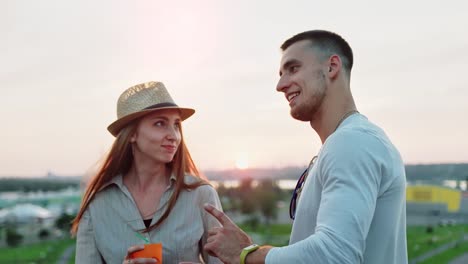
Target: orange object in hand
(150, 251)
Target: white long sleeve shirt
(352, 208)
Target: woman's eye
(159, 123)
(177, 125)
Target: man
(350, 205)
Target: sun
(242, 161)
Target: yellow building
(434, 194)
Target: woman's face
(157, 136)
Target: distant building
(25, 214)
(431, 205)
(434, 195)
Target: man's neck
(328, 119)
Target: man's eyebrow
(288, 64)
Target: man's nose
(283, 83)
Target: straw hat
(143, 99)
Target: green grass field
(420, 241)
(275, 234)
(72, 259)
(274, 229)
(448, 255)
(44, 252)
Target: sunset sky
(63, 65)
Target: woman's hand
(130, 250)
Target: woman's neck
(143, 177)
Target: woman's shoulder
(104, 197)
(204, 188)
(191, 179)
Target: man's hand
(226, 242)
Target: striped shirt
(108, 226)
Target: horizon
(61, 76)
(51, 174)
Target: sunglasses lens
(292, 207)
(292, 204)
(297, 190)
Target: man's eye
(293, 68)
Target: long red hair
(119, 161)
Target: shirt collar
(118, 180)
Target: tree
(268, 195)
(43, 234)
(13, 238)
(64, 221)
(247, 195)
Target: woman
(147, 188)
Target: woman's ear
(133, 138)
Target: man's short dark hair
(328, 43)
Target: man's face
(302, 80)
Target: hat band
(160, 105)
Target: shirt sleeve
(349, 175)
(86, 250)
(210, 196)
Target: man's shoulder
(361, 145)
(359, 140)
(358, 133)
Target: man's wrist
(258, 256)
(246, 251)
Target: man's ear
(334, 66)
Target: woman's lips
(169, 148)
